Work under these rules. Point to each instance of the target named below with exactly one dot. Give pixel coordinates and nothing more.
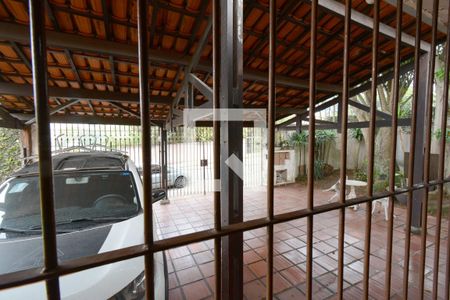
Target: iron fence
(189, 154)
(228, 229)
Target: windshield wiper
(18, 230)
(71, 221)
(27, 230)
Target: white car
(174, 177)
(98, 208)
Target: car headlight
(133, 291)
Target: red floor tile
(189, 275)
(196, 290)
(191, 268)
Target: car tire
(180, 182)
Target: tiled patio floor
(191, 268)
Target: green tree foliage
(323, 141)
(438, 134)
(9, 151)
(357, 134)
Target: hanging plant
(356, 133)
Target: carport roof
(92, 54)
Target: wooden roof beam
(193, 63)
(353, 92)
(26, 90)
(56, 109)
(20, 33)
(425, 18)
(8, 121)
(72, 66)
(366, 21)
(126, 109)
(200, 85)
(83, 119)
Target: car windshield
(81, 199)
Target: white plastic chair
(336, 187)
(383, 202)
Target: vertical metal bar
(204, 167)
(142, 7)
(311, 141)
(343, 169)
(392, 164)
(190, 96)
(441, 170)
(164, 159)
(39, 68)
(428, 133)
(339, 113)
(216, 144)
(412, 149)
(231, 79)
(271, 146)
(370, 165)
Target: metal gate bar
(371, 152)
(412, 149)
(39, 70)
(392, 164)
(441, 176)
(428, 135)
(311, 143)
(343, 158)
(37, 274)
(142, 15)
(216, 147)
(271, 145)
(52, 270)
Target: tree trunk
(439, 102)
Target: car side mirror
(158, 194)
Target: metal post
(441, 172)
(298, 123)
(415, 132)
(231, 196)
(371, 150)
(311, 143)
(142, 7)
(204, 165)
(418, 158)
(343, 120)
(271, 146)
(164, 164)
(394, 137)
(427, 140)
(40, 92)
(339, 116)
(216, 146)
(190, 96)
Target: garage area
(213, 149)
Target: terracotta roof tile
(174, 33)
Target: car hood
(27, 252)
(97, 283)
